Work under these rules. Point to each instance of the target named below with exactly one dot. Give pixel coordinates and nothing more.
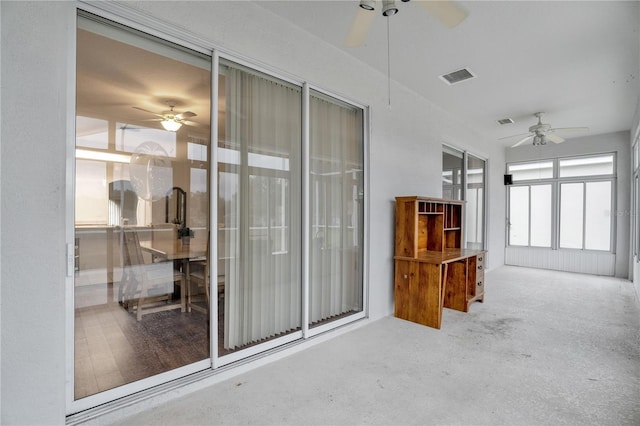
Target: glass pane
(541, 215)
(571, 215)
(587, 166)
(139, 311)
(529, 171)
(92, 133)
(452, 163)
(518, 215)
(336, 187)
(259, 229)
(597, 230)
(475, 202)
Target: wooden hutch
(432, 270)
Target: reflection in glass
(135, 310)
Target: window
(474, 225)
(585, 198)
(531, 171)
(452, 176)
(586, 166)
(530, 215)
(463, 178)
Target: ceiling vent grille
(504, 121)
(457, 76)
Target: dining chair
(199, 275)
(148, 287)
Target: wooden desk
(433, 280)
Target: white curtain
(259, 199)
(336, 210)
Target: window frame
(556, 182)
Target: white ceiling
(577, 61)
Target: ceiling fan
(171, 120)
(448, 12)
(540, 133)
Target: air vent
(504, 121)
(457, 76)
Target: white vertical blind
(336, 212)
(260, 202)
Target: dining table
(176, 250)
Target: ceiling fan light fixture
(389, 8)
(539, 140)
(171, 125)
(368, 4)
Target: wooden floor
(112, 348)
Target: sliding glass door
(190, 256)
(259, 207)
(141, 181)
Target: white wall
(37, 58)
(634, 268)
(612, 142)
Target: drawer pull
(479, 284)
(480, 267)
(479, 258)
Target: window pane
(92, 133)
(336, 187)
(587, 166)
(452, 163)
(475, 202)
(519, 215)
(571, 215)
(541, 215)
(528, 171)
(91, 192)
(598, 216)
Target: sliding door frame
(127, 16)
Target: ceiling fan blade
(569, 129)
(554, 138)
(186, 114)
(516, 136)
(190, 123)
(360, 28)
(450, 13)
(147, 111)
(521, 141)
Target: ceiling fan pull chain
(388, 62)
